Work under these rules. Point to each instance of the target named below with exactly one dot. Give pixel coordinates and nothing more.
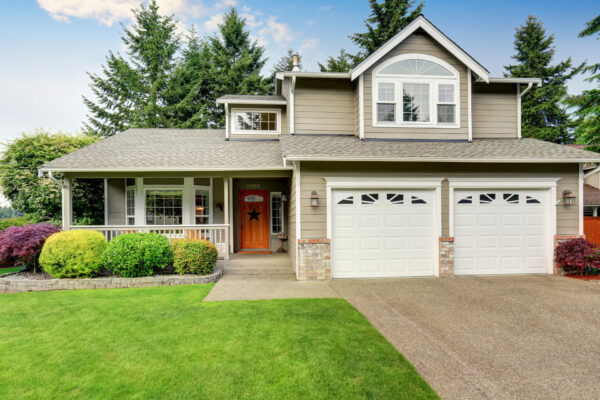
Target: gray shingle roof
(321, 147)
(170, 149)
(207, 149)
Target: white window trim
(399, 80)
(127, 216)
(435, 184)
(255, 110)
(271, 216)
(210, 203)
(548, 185)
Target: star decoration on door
(253, 214)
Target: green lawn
(9, 270)
(164, 343)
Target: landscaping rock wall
(8, 284)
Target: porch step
(258, 271)
(257, 264)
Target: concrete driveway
(520, 337)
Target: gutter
(159, 169)
(447, 160)
(51, 176)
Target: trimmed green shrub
(73, 254)
(18, 221)
(194, 256)
(137, 254)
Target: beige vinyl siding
(357, 111)
(314, 219)
(284, 124)
(324, 106)
(494, 108)
(593, 180)
(421, 43)
(115, 193)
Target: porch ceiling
(170, 150)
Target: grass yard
(9, 270)
(164, 343)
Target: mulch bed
(585, 277)
(29, 276)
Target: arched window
(416, 90)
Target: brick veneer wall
(446, 256)
(314, 259)
(558, 239)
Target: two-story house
(411, 164)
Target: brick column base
(314, 259)
(446, 256)
(558, 239)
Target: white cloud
(212, 24)
(280, 32)
(310, 22)
(225, 4)
(308, 45)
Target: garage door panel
(388, 233)
(508, 235)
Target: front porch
(242, 213)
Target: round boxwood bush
(194, 256)
(73, 254)
(137, 254)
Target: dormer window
(416, 90)
(256, 121)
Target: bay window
(415, 90)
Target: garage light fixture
(568, 197)
(314, 199)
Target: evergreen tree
(344, 62)
(237, 62)
(543, 114)
(130, 92)
(387, 18)
(187, 97)
(587, 104)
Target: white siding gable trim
(423, 23)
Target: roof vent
(295, 62)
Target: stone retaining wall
(15, 285)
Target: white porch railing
(216, 234)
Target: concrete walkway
(261, 277)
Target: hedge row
(85, 253)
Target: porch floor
(264, 276)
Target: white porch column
(189, 200)
(67, 203)
(226, 215)
(140, 202)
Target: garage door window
(466, 200)
(487, 198)
(532, 200)
(369, 198)
(511, 198)
(417, 200)
(347, 200)
(395, 198)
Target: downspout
(292, 88)
(51, 176)
(519, 96)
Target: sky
(49, 46)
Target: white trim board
(421, 23)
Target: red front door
(254, 219)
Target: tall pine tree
(130, 92)
(237, 62)
(587, 104)
(543, 114)
(387, 18)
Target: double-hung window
(416, 90)
(276, 213)
(164, 206)
(202, 207)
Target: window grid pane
(276, 213)
(446, 93)
(256, 121)
(130, 206)
(202, 206)
(386, 92)
(386, 112)
(446, 113)
(164, 207)
(415, 100)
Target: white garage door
(379, 233)
(500, 232)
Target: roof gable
(421, 23)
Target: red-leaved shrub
(576, 256)
(22, 244)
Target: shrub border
(8, 285)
